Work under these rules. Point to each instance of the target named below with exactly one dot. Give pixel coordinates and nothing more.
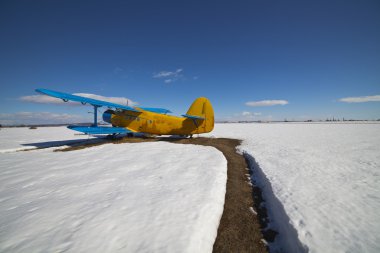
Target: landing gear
(112, 136)
(184, 136)
(130, 135)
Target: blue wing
(156, 110)
(66, 97)
(99, 130)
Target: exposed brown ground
(239, 229)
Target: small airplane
(129, 120)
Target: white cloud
(364, 99)
(169, 76)
(117, 70)
(116, 100)
(248, 115)
(29, 118)
(167, 73)
(44, 99)
(267, 103)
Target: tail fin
(202, 108)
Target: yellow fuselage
(161, 124)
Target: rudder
(202, 107)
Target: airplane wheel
(130, 135)
(111, 136)
(191, 136)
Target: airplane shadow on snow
(98, 139)
(75, 142)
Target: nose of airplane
(107, 116)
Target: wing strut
(95, 116)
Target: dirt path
(239, 229)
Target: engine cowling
(107, 116)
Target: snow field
(145, 197)
(325, 177)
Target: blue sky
(310, 54)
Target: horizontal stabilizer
(99, 130)
(156, 110)
(69, 97)
(193, 117)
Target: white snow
(145, 197)
(22, 138)
(322, 179)
(321, 183)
